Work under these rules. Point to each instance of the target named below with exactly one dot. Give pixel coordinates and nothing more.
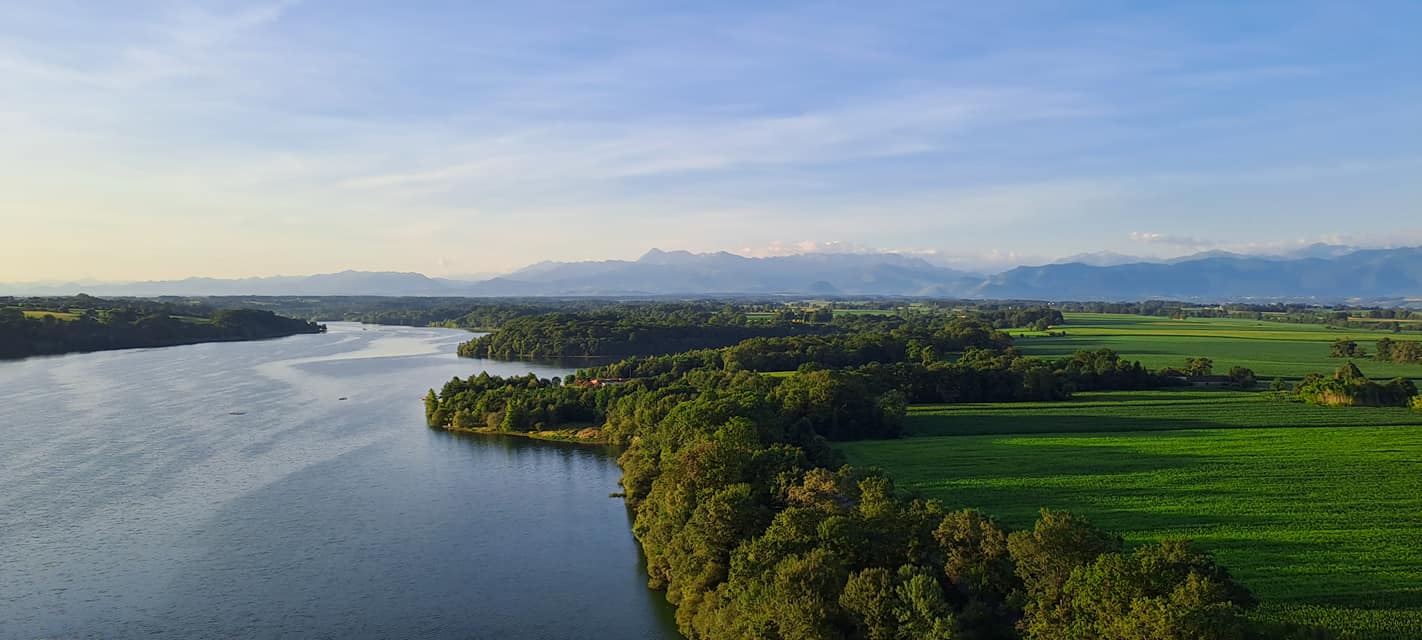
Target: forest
(627, 331)
(621, 331)
(755, 528)
(40, 326)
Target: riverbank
(584, 435)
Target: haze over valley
(1319, 273)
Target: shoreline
(571, 436)
(163, 345)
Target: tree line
(1386, 350)
(624, 331)
(754, 528)
(643, 330)
(85, 323)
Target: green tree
(1242, 377)
(1160, 592)
(1344, 348)
(1059, 543)
(1199, 366)
(1383, 351)
(906, 605)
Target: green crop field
(1324, 524)
(1144, 411)
(1269, 348)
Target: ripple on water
(224, 489)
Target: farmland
(1324, 524)
(1269, 348)
(1317, 509)
(58, 315)
(1165, 410)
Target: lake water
(227, 490)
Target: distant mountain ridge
(1318, 272)
(1369, 273)
(682, 272)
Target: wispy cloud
(362, 137)
(1166, 239)
(885, 127)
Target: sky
(155, 140)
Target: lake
(289, 488)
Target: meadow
(1318, 510)
(1271, 349)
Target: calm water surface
(226, 490)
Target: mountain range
(1316, 273)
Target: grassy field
(1317, 509)
(1165, 410)
(1324, 524)
(1269, 348)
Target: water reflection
(226, 490)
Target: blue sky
(167, 139)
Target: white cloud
(984, 261)
(780, 248)
(1166, 239)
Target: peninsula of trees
(39, 326)
(755, 529)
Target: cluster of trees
(1388, 350)
(894, 358)
(1038, 318)
(1402, 351)
(789, 338)
(829, 403)
(620, 332)
(750, 544)
(85, 323)
(1196, 367)
(1346, 348)
(840, 401)
(818, 314)
(918, 338)
(1201, 367)
(1349, 387)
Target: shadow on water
(452, 536)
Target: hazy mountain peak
(1102, 259)
(657, 256)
